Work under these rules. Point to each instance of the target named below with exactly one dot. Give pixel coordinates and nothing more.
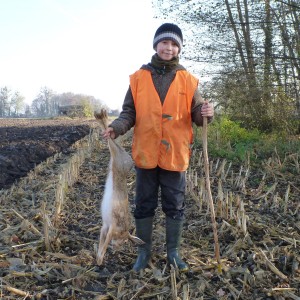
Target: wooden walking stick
(211, 203)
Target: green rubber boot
(144, 232)
(173, 237)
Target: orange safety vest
(163, 133)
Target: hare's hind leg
(105, 238)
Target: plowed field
(25, 143)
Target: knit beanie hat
(168, 31)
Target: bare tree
(250, 49)
(44, 105)
(17, 104)
(5, 94)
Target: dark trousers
(172, 186)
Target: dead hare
(115, 207)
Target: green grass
(227, 139)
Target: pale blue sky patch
(89, 47)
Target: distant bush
(280, 144)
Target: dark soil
(25, 143)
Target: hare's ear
(102, 117)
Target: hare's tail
(102, 117)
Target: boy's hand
(109, 133)
(207, 109)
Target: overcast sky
(81, 46)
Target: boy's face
(167, 49)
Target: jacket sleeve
(196, 109)
(126, 119)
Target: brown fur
(116, 226)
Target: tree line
(250, 50)
(46, 104)
(11, 103)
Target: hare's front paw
(99, 259)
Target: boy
(161, 103)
